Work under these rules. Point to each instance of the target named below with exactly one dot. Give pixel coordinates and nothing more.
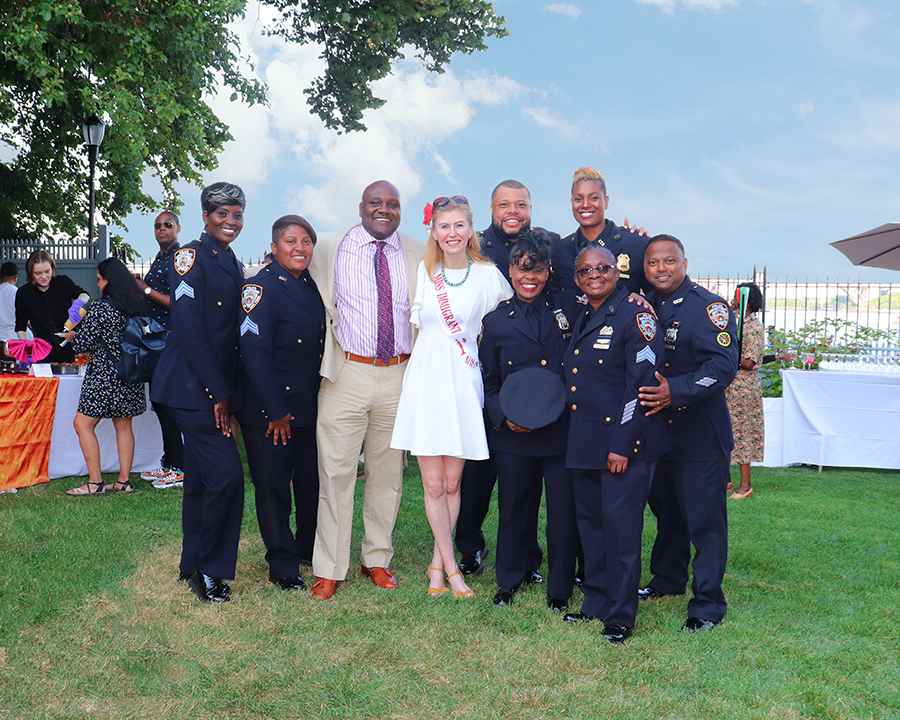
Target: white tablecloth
(65, 452)
(841, 419)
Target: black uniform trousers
(520, 480)
(273, 469)
(475, 490)
(213, 504)
(610, 511)
(173, 446)
(689, 502)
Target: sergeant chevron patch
(249, 326)
(646, 354)
(184, 289)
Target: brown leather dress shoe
(323, 588)
(382, 577)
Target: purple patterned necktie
(385, 343)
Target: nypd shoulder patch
(250, 296)
(184, 260)
(718, 313)
(647, 324)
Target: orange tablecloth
(27, 407)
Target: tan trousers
(360, 406)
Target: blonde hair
(588, 173)
(434, 256)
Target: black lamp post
(94, 128)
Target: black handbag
(143, 342)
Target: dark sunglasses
(167, 223)
(441, 201)
(585, 272)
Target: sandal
(439, 590)
(462, 594)
(125, 487)
(85, 490)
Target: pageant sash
(458, 334)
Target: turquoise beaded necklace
(452, 284)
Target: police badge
(250, 297)
(623, 263)
(718, 313)
(184, 260)
(563, 323)
(671, 335)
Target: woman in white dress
(440, 416)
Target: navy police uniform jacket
(197, 368)
(509, 344)
(614, 351)
(282, 335)
(700, 334)
(628, 248)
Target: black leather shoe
(534, 578)
(504, 597)
(289, 583)
(616, 633)
(184, 577)
(556, 605)
(695, 624)
(209, 589)
(578, 617)
(651, 593)
(473, 563)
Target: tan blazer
(322, 270)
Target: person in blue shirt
(282, 333)
(688, 494)
(195, 381)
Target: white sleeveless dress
(441, 406)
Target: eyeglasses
(441, 201)
(167, 223)
(585, 272)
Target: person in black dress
(103, 395)
(45, 302)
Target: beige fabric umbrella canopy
(878, 248)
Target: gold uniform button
(574, 371)
(299, 340)
(635, 449)
(577, 351)
(573, 388)
(219, 303)
(600, 361)
(667, 364)
(287, 387)
(607, 419)
(574, 407)
(509, 362)
(543, 362)
(670, 422)
(638, 442)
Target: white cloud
(668, 6)
(572, 11)
(804, 109)
(547, 118)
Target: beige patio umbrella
(878, 248)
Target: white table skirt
(65, 452)
(841, 419)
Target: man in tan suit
(366, 277)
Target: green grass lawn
(93, 623)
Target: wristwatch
(148, 290)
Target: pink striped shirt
(356, 294)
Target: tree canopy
(148, 67)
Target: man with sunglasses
(688, 492)
(155, 286)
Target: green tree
(147, 65)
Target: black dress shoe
(473, 563)
(289, 583)
(504, 597)
(695, 624)
(651, 593)
(534, 578)
(616, 633)
(557, 605)
(578, 617)
(209, 589)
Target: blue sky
(755, 131)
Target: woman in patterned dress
(102, 394)
(745, 393)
